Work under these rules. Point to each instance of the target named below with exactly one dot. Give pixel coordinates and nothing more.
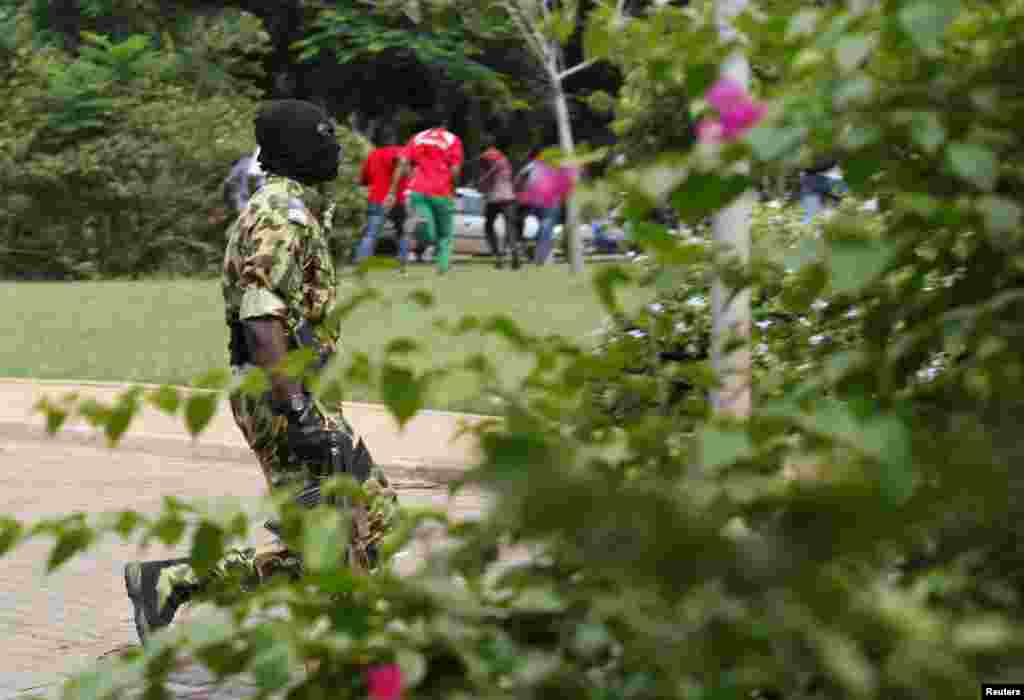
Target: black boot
(140, 578)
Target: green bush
(113, 167)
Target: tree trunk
(565, 141)
(731, 230)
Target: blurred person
(496, 184)
(279, 287)
(245, 178)
(376, 174)
(543, 189)
(435, 158)
(823, 180)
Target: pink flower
(709, 130)
(384, 682)
(737, 112)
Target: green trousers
(437, 223)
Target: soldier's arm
(267, 340)
(273, 277)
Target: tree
(545, 26)
(731, 230)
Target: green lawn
(171, 331)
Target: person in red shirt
(435, 158)
(376, 175)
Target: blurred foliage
(855, 538)
(142, 136)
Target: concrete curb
(428, 448)
(365, 405)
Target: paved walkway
(52, 625)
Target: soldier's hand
(306, 428)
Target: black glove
(307, 434)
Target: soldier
(279, 292)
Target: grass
(171, 331)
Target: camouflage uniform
(278, 264)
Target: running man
(376, 175)
(435, 158)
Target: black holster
(342, 458)
(237, 346)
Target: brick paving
(53, 625)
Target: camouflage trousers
(265, 434)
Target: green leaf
(853, 49)
(720, 447)
(413, 666)
(605, 281)
(704, 193)
(200, 408)
(402, 346)
(927, 131)
(770, 142)
(975, 163)
(10, 534)
(803, 23)
(508, 329)
(211, 629)
(55, 417)
(402, 393)
(887, 439)
(323, 539)
(423, 297)
(168, 529)
(854, 264)
(807, 251)
(272, 667)
(216, 379)
(859, 169)
(700, 77)
(1001, 215)
(925, 21)
(126, 523)
(166, 399)
(95, 413)
(597, 36)
(121, 415)
(255, 382)
(71, 540)
(207, 548)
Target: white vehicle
(469, 238)
(469, 225)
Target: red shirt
(377, 172)
(433, 153)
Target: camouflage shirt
(278, 262)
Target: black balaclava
(297, 140)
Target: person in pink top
(435, 157)
(542, 189)
(496, 184)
